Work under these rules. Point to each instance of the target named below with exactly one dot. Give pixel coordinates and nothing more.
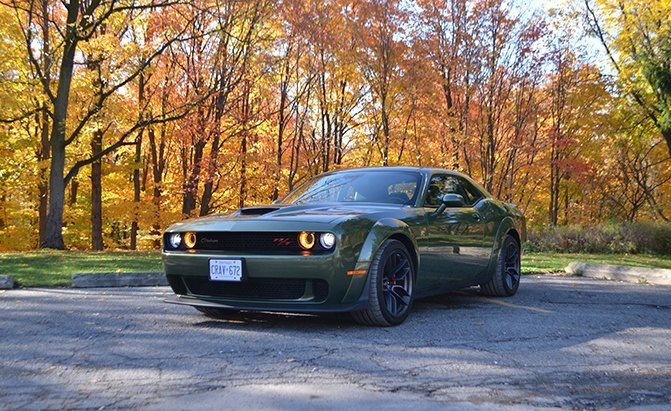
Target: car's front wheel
(506, 278)
(391, 281)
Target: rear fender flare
(506, 225)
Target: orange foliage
(258, 96)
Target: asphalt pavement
(561, 342)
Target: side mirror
(453, 200)
(450, 200)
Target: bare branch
(180, 113)
(20, 117)
(103, 96)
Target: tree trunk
(245, 114)
(191, 185)
(385, 130)
(666, 133)
(96, 193)
(3, 202)
(135, 226)
(553, 210)
(243, 170)
(74, 190)
(158, 165)
(54, 227)
(220, 109)
(208, 185)
(280, 136)
(43, 182)
(193, 180)
(43, 153)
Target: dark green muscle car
(367, 241)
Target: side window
(473, 193)
(434, 192)
(444, 184)
(402, 192)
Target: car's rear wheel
(391, 282)
(506, 278)
(215, 312)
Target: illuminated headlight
(175, 240)
(306, 239)
(327, 240)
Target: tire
(217, 313)
(391, 283)
(506, 278)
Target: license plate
(226, 270)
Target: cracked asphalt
(561, 342)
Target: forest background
(120, 117)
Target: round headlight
(327, 240)
(190, 240)
(175, 239)
(306, 239)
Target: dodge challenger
(368, 241)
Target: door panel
(453, 254)
(454, 250)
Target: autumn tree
(190, 108)
(447, 38)
(80, 22)
(378, 26)
(213, 65)
(636, 36)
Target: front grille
(232, 241)
(258, 288)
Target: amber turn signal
(190, 240)
(306, 239)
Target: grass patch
(554, 262)
(48, 268)
(55, 268)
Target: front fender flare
(379, 233)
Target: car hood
(283, 217)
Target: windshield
(372, 186)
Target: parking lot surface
(561, 342)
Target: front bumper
(312, 283)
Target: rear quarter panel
(502, 218)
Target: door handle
(477, 217)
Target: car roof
(426, 171)
(423, 170)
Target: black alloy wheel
(391, 277)
(512, 266)
(506, 278)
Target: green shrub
(636, 238)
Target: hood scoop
(256, 210)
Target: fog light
(306, 240)
(327, 240)
(175, 240)
(190, 240)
